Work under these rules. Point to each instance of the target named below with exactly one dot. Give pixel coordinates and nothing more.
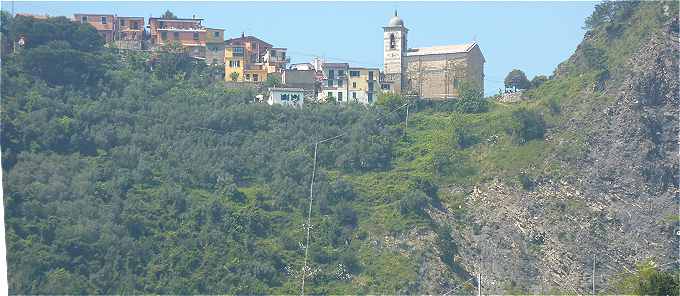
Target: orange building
(188, 32)
(129, 32)
(104, 23)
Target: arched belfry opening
(393, 44)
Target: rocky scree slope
(617, 207)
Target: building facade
(286, 96)
(362, 84)
(103, 23)
(276, 59)
(214, 49)
(187, 32)
(255, 47)
(436, 72)
(129, 32)
(334, 85)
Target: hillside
(120, 178)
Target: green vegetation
(649, 280)
(538, 80)
(516, 79)
(144, 174)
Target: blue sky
(531, 36)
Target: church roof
(444, 49)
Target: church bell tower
(394, 51)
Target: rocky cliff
(615, 209)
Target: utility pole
(309, 212)
(479, 278)
(405, 128)
(594, 258)
(309, 219)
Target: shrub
(471, 100)
(538, 80)
(414, 201)
(527, 183)
(464, 137)
(529, 125)
(554, 106)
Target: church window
(392, 42)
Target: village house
(308, 80)
(362, 84)
(249, 59)
(276, 59)
(435, 72)
(187, 32)
(285, 96)
(104, 23)
(238, 66)
(254, 47)
(129, 32)
(214, 52)
(334, 85)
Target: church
(435, 72)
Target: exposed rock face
(619, 210)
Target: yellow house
(363, 84)
(255, 72)
(234, 62)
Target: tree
(272, 81)
(168, 15)
(234, 76)
(415, 201)
(471, 99)
(58, 63)
(538, 80)
(517, 80)
(529, 125)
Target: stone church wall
(436, 76)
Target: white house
(286, 96)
